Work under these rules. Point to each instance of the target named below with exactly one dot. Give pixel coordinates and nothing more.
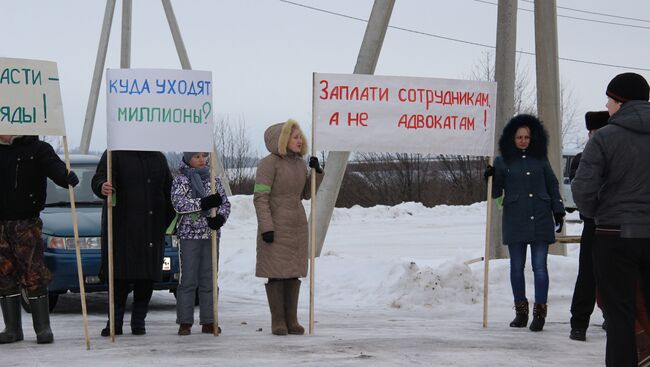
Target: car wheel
(24, 301)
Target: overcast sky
(262, 52)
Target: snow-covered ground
(391, 289)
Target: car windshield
(83, 193)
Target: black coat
(142, 212)
(25, 165)
(531, 190)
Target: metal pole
(548, 86)
(125, 55)
(504, 74)
(176, 35)
(185, 64)
(100, 60)
(328, 192)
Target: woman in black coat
(532, 210)
(141, 185)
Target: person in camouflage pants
(21, 262)
(26, 163)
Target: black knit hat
(628, 87)
(594, 120)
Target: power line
(575, 18)
(596, 13)
(458, 40)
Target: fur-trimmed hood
(538, 146)
(277, 137)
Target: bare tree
(524, 89)
(573, 133)
(239, 159)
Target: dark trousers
(584, 294)
(621, 263)
(142, 292)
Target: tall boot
(291, 292)
(539, 317)
(275, 295)
(40, 305)
(521, 314)
(11, 312)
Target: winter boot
(11, 312)
(40, 305)
(209, 328)
(121, 293)
(275, 295)
(291, 292)
(578, 334)
(521, 314)
(539, 317)
(185, 329)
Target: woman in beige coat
(281, 183)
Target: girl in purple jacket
(192, 200)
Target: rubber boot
(275, 295)
(291, 293)
(40, 306)
(539, 317)
(521, 314)
(11, 312)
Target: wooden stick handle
(75, 229)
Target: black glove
(72, 179)
(313, 163)
(559, 221)
(211, 201)
(216, 222)
(489, 171)
(268, 237)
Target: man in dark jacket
(611, 186)
(141, 189)
(25, 163)
(584, 294)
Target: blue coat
(531, 196)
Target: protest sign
(369, 113)
(30, 98)
(159, 110)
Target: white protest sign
(159, 110)
(369, 113)
(30, 98)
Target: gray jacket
(612, 183)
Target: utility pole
(504, 74)
(185, 64)
(548, 86)
(125, 63)
(95, 85)
(328, 191)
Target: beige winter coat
(281, 183)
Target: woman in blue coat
(532, 210)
